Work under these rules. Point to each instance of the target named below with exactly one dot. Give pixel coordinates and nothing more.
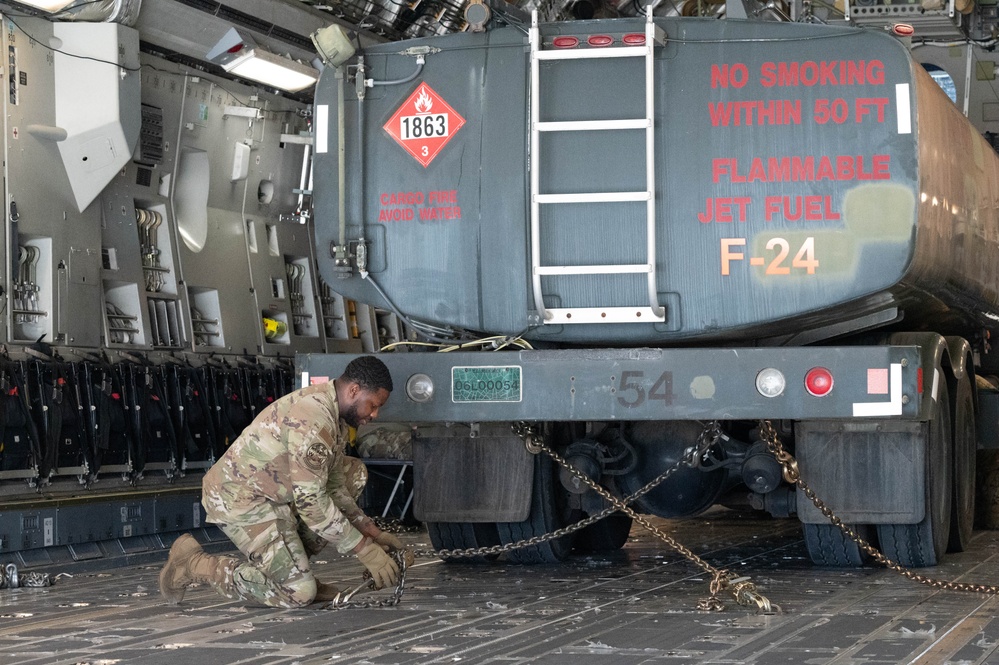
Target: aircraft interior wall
(159, 277)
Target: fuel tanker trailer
(640, 237)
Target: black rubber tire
(607, 535)
(829, 546)
(463, 535)
(987, 489)
(923, 544)
(548, 513)
(965, 454)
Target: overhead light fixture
(50, 6)
(238, 54)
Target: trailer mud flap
(458, 478)
(867, 473)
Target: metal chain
(744, 591)
(11, 578)
(394, 525)
(708, 438)
(345, 599)
(741, 588)
(793, 476)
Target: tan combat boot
(325, 592)
(188, 564)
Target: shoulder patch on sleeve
(317, 456)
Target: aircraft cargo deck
(635, 606)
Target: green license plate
(485, 384)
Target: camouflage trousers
(278, 546)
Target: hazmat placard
(424, 124)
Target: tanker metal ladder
(654, 312)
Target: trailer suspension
(792, 476)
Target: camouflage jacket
(292, 455)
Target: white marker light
(420, 388)
(770, 382)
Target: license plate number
(485, 384)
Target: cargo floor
(634, 606)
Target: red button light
(634, 39)
(819, 381)
(599, 40)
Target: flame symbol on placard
(424, 102)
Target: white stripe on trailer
(903, 108)
(321, 129)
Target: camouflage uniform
(281, 492)
(384, 443)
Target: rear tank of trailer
(809, 181)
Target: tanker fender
(961, 365)
(959, 354)
(942, 359)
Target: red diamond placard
(424, 124)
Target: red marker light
(634, 39)
(819, 381)
(902, 30)
(599, 40)
(565, 42)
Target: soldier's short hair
(368, 372)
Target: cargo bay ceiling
(185, 30)
(191, 27)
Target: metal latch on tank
(342, 255)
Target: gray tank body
(807, 178)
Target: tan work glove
(384, 570)
(388, 541)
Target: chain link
(790, 465)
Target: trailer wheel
(965, 451)
(829, 546)
(607, 535)
(463, 535)
(548, 513)
(987, 488)
(923, 544)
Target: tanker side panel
(957, 248)
(786, 178)
(787, 182)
